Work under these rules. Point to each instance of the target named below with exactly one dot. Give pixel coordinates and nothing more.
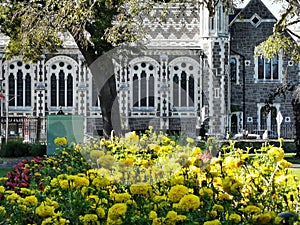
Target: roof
(253, 6)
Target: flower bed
(151, 179)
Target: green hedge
(17, 148)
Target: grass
(3, 171)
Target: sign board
(279, 119)
(69, 126)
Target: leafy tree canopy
(284, 38)
(96, 25)
(34, 26)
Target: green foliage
(14, 149)
(37, 149)
(17, 148)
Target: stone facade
(193, 70)
(250, 88)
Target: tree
(97, 26)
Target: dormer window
(255, 20)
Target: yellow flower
(189, 202)
(236, 218)
(265, 218)
(177, 192)
(190, 140)
(31, 200)
(212, 214)
(101, 182)
(172, 216)
(181, 218)
(100, 212)
(141, 189)
(152, 215)
(218, 208)
(89, 218)
(13, 197)
(2, 210)
(121, 197)
(251, 209)
(206, 192)
(212, 222)
(231, 162)
(133, 137)
(96, 154)
(60, 141)
(276, 153)
(177, 180)
(45, 210)
(117, 211)
(106, 161)
(2, 189)
(47, 221)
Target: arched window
(143, 87)
(20, 88)
(61, 82)
(61, 88)
(53, 90)
(183, 73)
(11, 89)
(27, 90)
(69, 90)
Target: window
(61, 83)
(27, 90)
(19, 84)
(143, 85)
(183, 89)
(53, 90)
(268, 69)
(233, 69)
(11, 90)
(255, 20)
(212, 23)
(19, 88)
(268, 117)
(220, 19)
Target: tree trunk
(105, 81)
(110, 108)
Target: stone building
(193, 70)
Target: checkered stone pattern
(180, 28)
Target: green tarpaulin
(68, 126)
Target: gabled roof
(253, 6)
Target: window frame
(268, 77)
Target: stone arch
(62, 72)
(143, 77)
(184, 82)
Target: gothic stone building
(194, 70)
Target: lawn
(3, 171)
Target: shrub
(14, 149)
(37, 149)
(17, 148)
